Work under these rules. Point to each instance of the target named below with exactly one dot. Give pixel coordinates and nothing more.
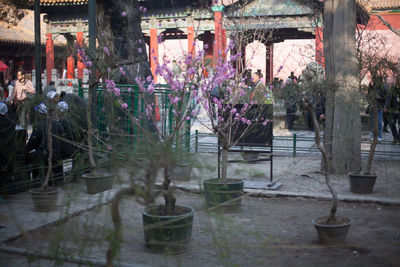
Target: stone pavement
(299, 177)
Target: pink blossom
(123, 14)
(139, 50)
(124, 105)
(117, 91)
(106, 50)
(109, 147)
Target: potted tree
(233, 116)
(45, 197)
(377, 94)
(98, 179)
(331, 229)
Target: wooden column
(319, 47)
(80, 65)
(49, 56)
(70, 67)
(217, 52)
(153, 52)
(269, 64)
(190, 38)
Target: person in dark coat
(37, 146)
(7, 143)
(393, 109)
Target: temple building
(273, 36)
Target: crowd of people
(25, 113)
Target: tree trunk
(224, 164)
(342, 68)
(330, 78)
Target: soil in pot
(182, 171)
(362, 183)
(333, 233)
(167, 234)
(45, 199)
(224, 194)
(98, 181)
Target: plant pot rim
(189, 214)
(95, 176)
(40, 191)
(349, 222)
(184, 163)
(362, 174)
(226, 181)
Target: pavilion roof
(23, 33)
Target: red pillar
(153, 52)
(190, 38)
(49, 56)
(80, 65)
(218, 31)
(70, 67)
(319, 47)
(269, 64)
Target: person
(37, 146)
(293, 77)
(22, 88)
(50, 87)
(289, 101)
(393, 110)
(318, 103)
(10, 86)
(260, 92)
(7, 143)
(378, 95)
(176, 69)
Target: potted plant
(98, 179)
(233, 116)
(331, 229)
(45, 198)
(377, 94)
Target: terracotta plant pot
(225, 194)
(168, 234)
(45, 200)
(362, 183)
(332, 234)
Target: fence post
(80, 88)
(294, 144)
(196, 141)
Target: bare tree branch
(385, 22)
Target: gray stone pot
(99, 181)
(45, 200)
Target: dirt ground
(267, 232)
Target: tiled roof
(23, 33)
(56, 2)
(385, 4)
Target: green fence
(109, 114)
